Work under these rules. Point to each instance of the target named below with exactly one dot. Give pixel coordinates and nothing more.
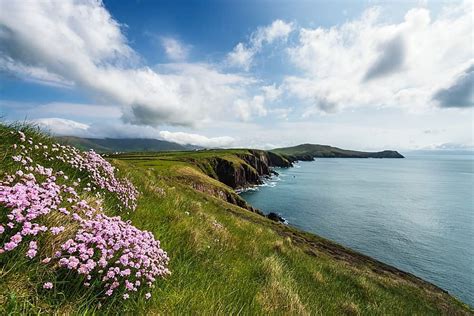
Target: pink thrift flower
(31, 253)
(48, 286)
(56, 230)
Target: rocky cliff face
(249, 171)
(235, 175)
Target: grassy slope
(225, 259)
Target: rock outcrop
(242, 169)
(248, 169)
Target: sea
(416, 214)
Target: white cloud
(195, 93)
(174, 49)
(66, 127)
(59, 126)
(32, 73)
(266, 35)
(242, 55)
(272, 92)
(246, 109)
(196, 139)
(368, 62)
(80, 42)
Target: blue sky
(356, 74)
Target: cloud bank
(418, 64)
(367, 62)
(196, 139)
(59, 126)
(78, 43)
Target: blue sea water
(416, 214)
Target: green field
(224, 259)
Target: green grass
(224, 259)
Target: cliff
(248, 169)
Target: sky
(365, 75)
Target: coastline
(337, 250)
(220, 174)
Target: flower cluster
(99, 171)
(116, 253)
(28, 201)
(108, 252)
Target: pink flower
(48, 286)
(56, 230)
(10, 246)
(130, 257)
(147, 296)
(31, 253)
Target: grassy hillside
(122, 144)
(310, 151)
(223, 258)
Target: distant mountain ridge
(311, 151)
(106, 145)
(300, 152)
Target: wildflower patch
(106, 252)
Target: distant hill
(123, 144)
(311, 151)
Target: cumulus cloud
(195, 93)
(174, 49)
(246, 109)
(79, 43)
(196, 139)
(277, 30)
(242, 55)
(368, 62)
(460, 93)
